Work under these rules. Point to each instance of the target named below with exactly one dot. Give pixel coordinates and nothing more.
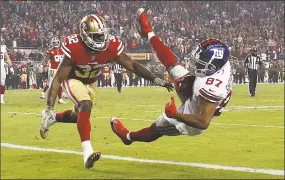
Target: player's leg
(147, 134)
(43, 95)
(163, 53)
(50, 77)
(80, 96)
(161, 127)
(2, 85)
(59, 95)
(250, 84)
(254, 82)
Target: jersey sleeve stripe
(64, 47)
(66, 53)
(121, 44)
(208, 97)
(120, 51)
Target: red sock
(84, 126)
(66, 117)
(148, 134)
(164, 54)
(45, 89)
(2, 89)
(60, 93)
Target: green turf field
(250, 134)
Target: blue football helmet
(209, 57)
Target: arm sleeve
(120, 48)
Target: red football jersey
(24, 69)
(56, 56)
(87, 64)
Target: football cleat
(43, 96)
(48, 119)
(61, 101)
(144, 23)
(95, 156)
(119, 129)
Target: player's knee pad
(85, 105)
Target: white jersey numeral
(58, 58)
(72, 39)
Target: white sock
(150, 35)
(2, 97)
(129, 137)
(87, 149)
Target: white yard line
(149, 120)
(121, 158)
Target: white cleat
(2, 102)
(43, 96)
(61, 101)
(48, 119)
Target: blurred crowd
(180, 24)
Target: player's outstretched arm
(141, 71)
(200, 121)
(62, 73)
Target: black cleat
(95, 156)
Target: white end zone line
(121, 158)
(149, 120)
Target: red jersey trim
(66, 51)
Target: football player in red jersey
(84, 56)
(24, 75)
(53, 56)
(203, 92)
